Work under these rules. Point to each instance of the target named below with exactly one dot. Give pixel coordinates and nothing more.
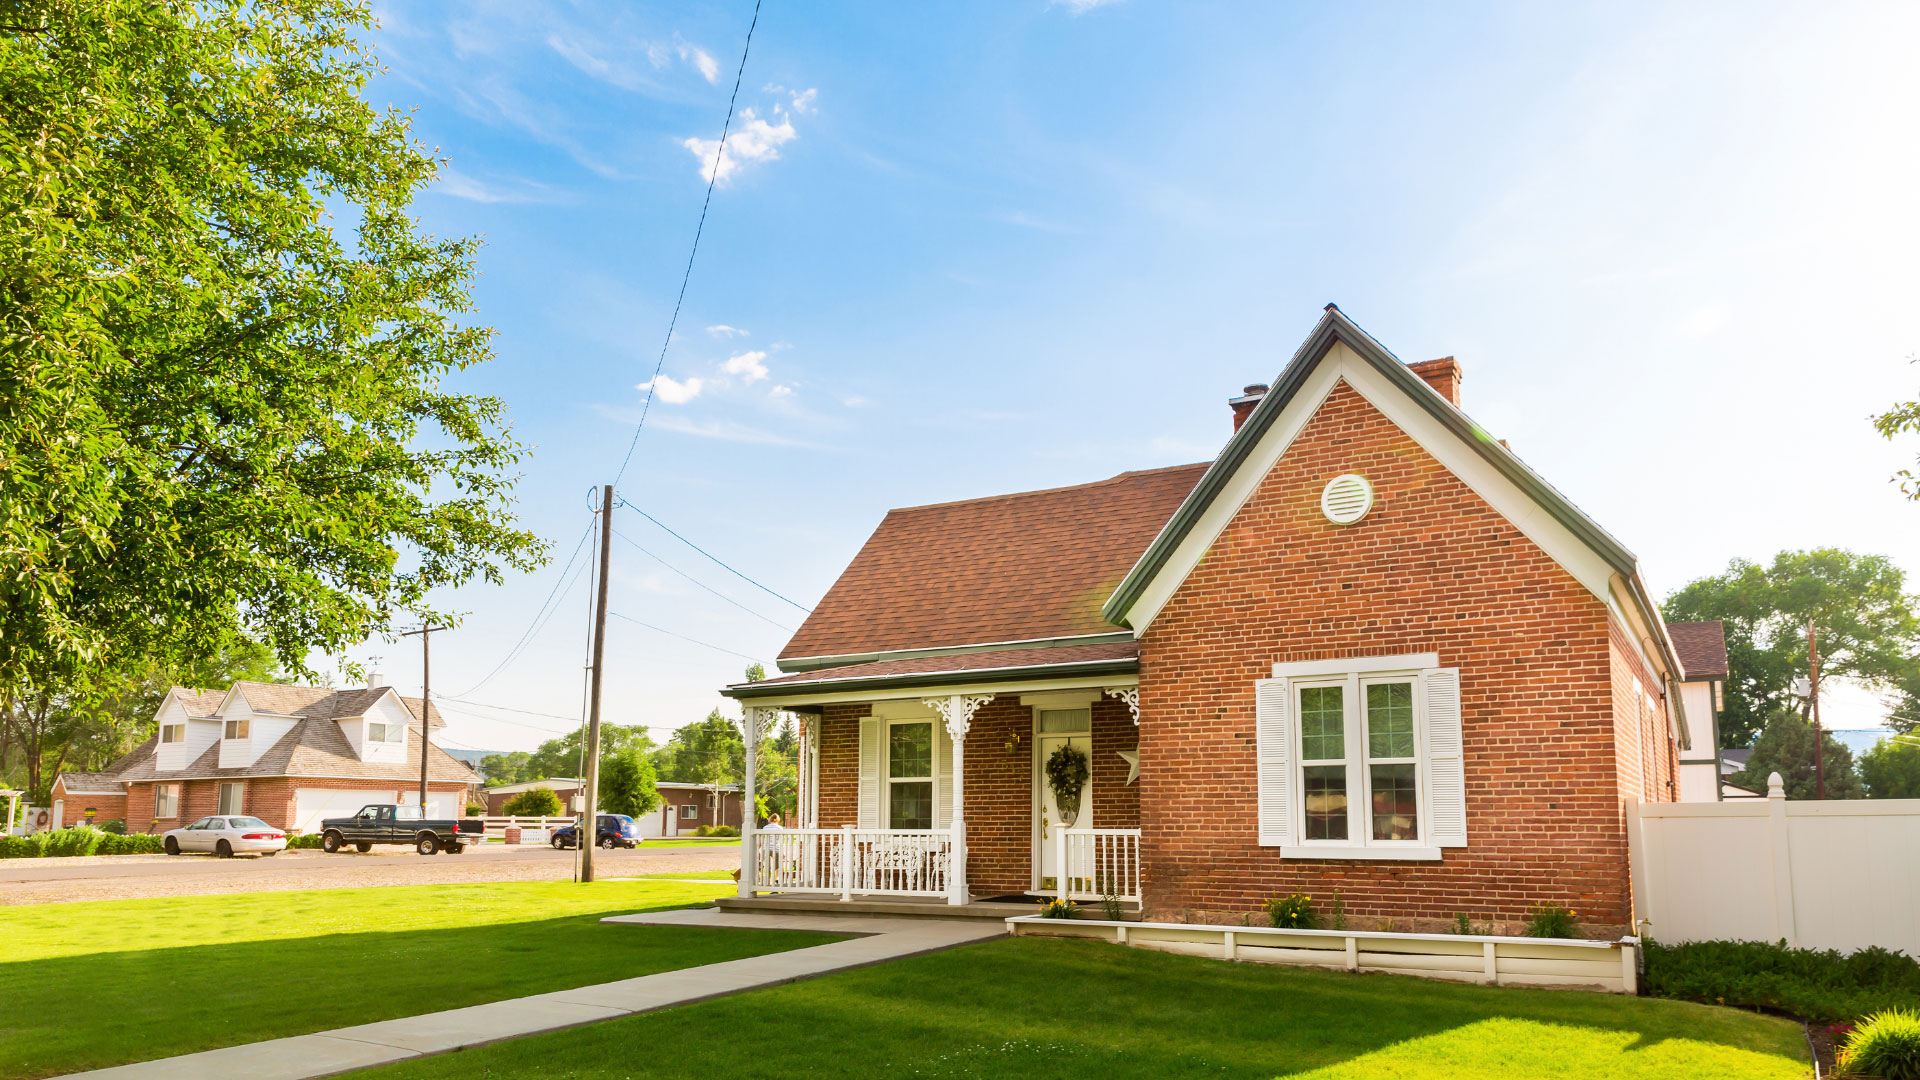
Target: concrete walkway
(326, 1053)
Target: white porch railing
(1098, 863)
(873, 862)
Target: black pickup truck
(385, 823)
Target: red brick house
(1365, 648)
(288, 755)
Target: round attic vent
(1347, 499)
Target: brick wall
(269, 798)
(1432, 568)
(73, 810)
(1641, 724)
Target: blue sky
(965, 249)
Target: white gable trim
(1341, 364)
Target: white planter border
(1482, 958)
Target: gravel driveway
(122, 877)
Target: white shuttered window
(1360, 759)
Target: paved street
(119, 877)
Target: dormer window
(384, 733)
(173, 733)
(237, 729)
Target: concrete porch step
(900, 906)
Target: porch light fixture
(1347, 498)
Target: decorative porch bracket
(756, 720)
(1130, 695)
(957, 710)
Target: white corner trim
(1464, 462)
(1393, 854)
(1358, 665)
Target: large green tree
(1785, 746)
(627, 784)
(1891, 769)
(1869, 631)
(225, 345)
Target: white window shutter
(1446, 764)
(942, 776)
(1273, 760)
(872, 749)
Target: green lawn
(120, 981)
(1049, 1007)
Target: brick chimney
(1443, 375)
(1243, 405)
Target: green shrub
(704, 830)
(1886, 1044)
(116, 826)
(130, 844)
(474, 809)
(1295, 912)
(725, 830)
(1551, 920)
(303, 841)
(23, 847)
(533, 802)
(76, 841)
(1056, 908)
(1464, 925)
(1818, 985)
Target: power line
(683, 637)
(716, 559)
(513, 653)
(511, 709)
(719, 157)
(700, 583)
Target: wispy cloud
(673, 391)
(1028, 221)
(729, 431)
(456, 184)
(1081, 7)
(751, 365)
(755, 139)
(722, 330)
(708, 67)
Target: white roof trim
(1341, 364)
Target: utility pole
(1813, 691)
(426, 696)
(588, 833)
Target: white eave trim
(815, 663)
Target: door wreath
(1067, 771)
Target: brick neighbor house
(288, 755)
(1365, 648)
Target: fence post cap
(1776, 787)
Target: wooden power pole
(426, 697)
(587, 835)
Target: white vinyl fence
(1822, 875)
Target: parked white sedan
(226, 836)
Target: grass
(1049, 1007)
(129, 980)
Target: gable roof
(1022, 568)
(1702, 648)
(198, 704)
(89, 783)
(1334, 327)
(312, 747)
(319, 702)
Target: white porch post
(957, 710)
(749, 814)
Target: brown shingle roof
(201, 704)
(1701, 647)
(1020, 567)
(89, 783)
(320, 703)
(971, 663)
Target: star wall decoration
(1132, 758)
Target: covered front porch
(940, 794)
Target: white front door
(1051, 819)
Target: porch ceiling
(1106, 659)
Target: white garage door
(313, 805)
(440, 804)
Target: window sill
(1395, 854)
